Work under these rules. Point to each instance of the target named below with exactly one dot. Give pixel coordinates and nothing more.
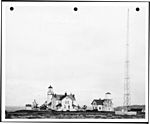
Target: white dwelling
(28, 107)
(103, 104)
(60, 102)
(97, 104)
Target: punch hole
(137, 9)
(11, 8)
(75, 9)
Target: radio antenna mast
(127, 98)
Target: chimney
(65, 94)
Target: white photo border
(3, 54)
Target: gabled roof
(98, 101)
(61, 97)
(28, 105)
(72, 97)
(58, 96)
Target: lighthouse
(50, 93)
(108, 95)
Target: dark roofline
(50, 86)
(28, 105)
(98, 101)
(64, 96)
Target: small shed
(28, 107)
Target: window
(66, 102)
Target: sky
(80, 52)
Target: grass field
(30, 114)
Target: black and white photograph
(75, 61)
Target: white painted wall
(49, 98)
(94, 105)
(99, 107)
(67, 104)
(28, 108)
(108, 106)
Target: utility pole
(127, 98)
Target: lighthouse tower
(50, 93)
(108, 95)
